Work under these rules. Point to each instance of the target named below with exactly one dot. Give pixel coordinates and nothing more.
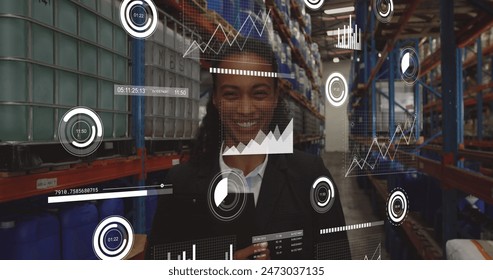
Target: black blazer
(283, 203)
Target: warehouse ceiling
(422, 19)
(321, 23)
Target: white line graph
(203, 47)
(383, 148)
(378, 256)
(272, 143)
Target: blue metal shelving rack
(138, 126)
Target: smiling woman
(252, 103)
(246, 105)
(279, 218)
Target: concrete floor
(356, 204)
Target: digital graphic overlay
(139, 18)
(377, 254)
(336, 89)
(92, 194)
(80, 131)
(113, 238)
(254, 24)
(227, 196)
(314, 4)
(216, 248)
(350, 38)
(363, 247)
(250, 73)
(409, 65)
(384, 10)
(397, 206)
(129, 90)
(272, 143)
(351, 227)
(282, 243)
(377, 155)
(322, 195)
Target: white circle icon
(314, 4)
(135, 18)
(227, 196)
(383, 9)
(397, 206)
(322, 195)
(113, 238)
(80, 131)
(410, 65)
(336, 89)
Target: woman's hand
(257, 251)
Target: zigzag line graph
(203, 47)
(375, 256)
(272, 143)
(383, 148)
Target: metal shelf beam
(81, 175)
(418, 234)
(19, 187)
(390, 43)
(450, 114)
(479, 94)
(433, 60)
(373, 64)
(417, 103)
(138, 126)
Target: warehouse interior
(100, 99)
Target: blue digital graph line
(203, 47)
(383, 148)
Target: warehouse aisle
(356, 204)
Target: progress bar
(351, 227)
(140, 187)
(109, 195)
(252, 73)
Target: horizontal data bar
(108, 195)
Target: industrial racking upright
(422, 23)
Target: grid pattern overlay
(243, 72)
(365, 247)
(215, 248)
(351, 227)
(248, 128)
(381, 155)
(236, 28)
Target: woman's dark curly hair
(208, 139)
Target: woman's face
(246, 104)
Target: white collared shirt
(252, 181)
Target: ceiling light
(339, 10)
(336, 60)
